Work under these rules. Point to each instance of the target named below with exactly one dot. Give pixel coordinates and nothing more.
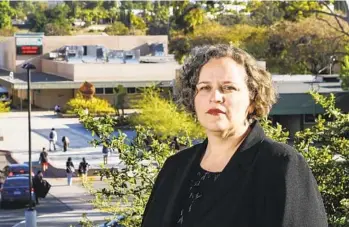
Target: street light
(30, 214)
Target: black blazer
(265, 183)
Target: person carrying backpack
(65, 141)
(83, 169)
(70, 171)
(52, 139)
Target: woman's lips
(215, 112)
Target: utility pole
(30, 214)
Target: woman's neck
(219, 150)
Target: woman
(237, 177)
(70, 171)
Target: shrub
(4, 107)
(164, 117)
(117, 28)
(94, 105)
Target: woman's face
(222, 101)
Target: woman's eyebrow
(228, 82)
(203, 82)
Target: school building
(63, 63)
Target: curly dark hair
(259, 81)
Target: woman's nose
(217, 96)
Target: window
(85, 50)
(309, 118)
(131, 90)
(99, 90)
(109, 90)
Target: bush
(4, 106)
(8, 31)
(117, 28)
(325, 146)
(56, 29)
(164, 117)
(94, 105)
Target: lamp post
(30, 214)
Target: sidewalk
(14, 127)
(76, 198)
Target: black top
(70, 167)
(265, 184)
(43, 157)
(201, 184)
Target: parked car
(16, 170)
(113, 223)
(16, 190)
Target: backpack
(65, 139)
(51, 135)
(83, 168)
(105, 150)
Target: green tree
(120, 93)
(186, 16)
(6, 14)
(137, 23)
(157, 17)
(325, 146)
(117, 28)
(22, 9)
(267, 13)
(38, 20)
(303, 46)
(251, 38)
(56, 29)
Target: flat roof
(42, 80)
(48, 81)
(303, 87)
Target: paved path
(76, 201)
(14, 127)
(15, 214)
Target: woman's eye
(229, 88)
(204, 88)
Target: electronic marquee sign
(29, 44)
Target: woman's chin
(218, 127)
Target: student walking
(43, 159)
(65, 141)
(70, 171)
(106, 152)
(52, 139)
(83, 169)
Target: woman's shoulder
(274, 151)
(184, 155)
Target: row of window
(110, 90)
